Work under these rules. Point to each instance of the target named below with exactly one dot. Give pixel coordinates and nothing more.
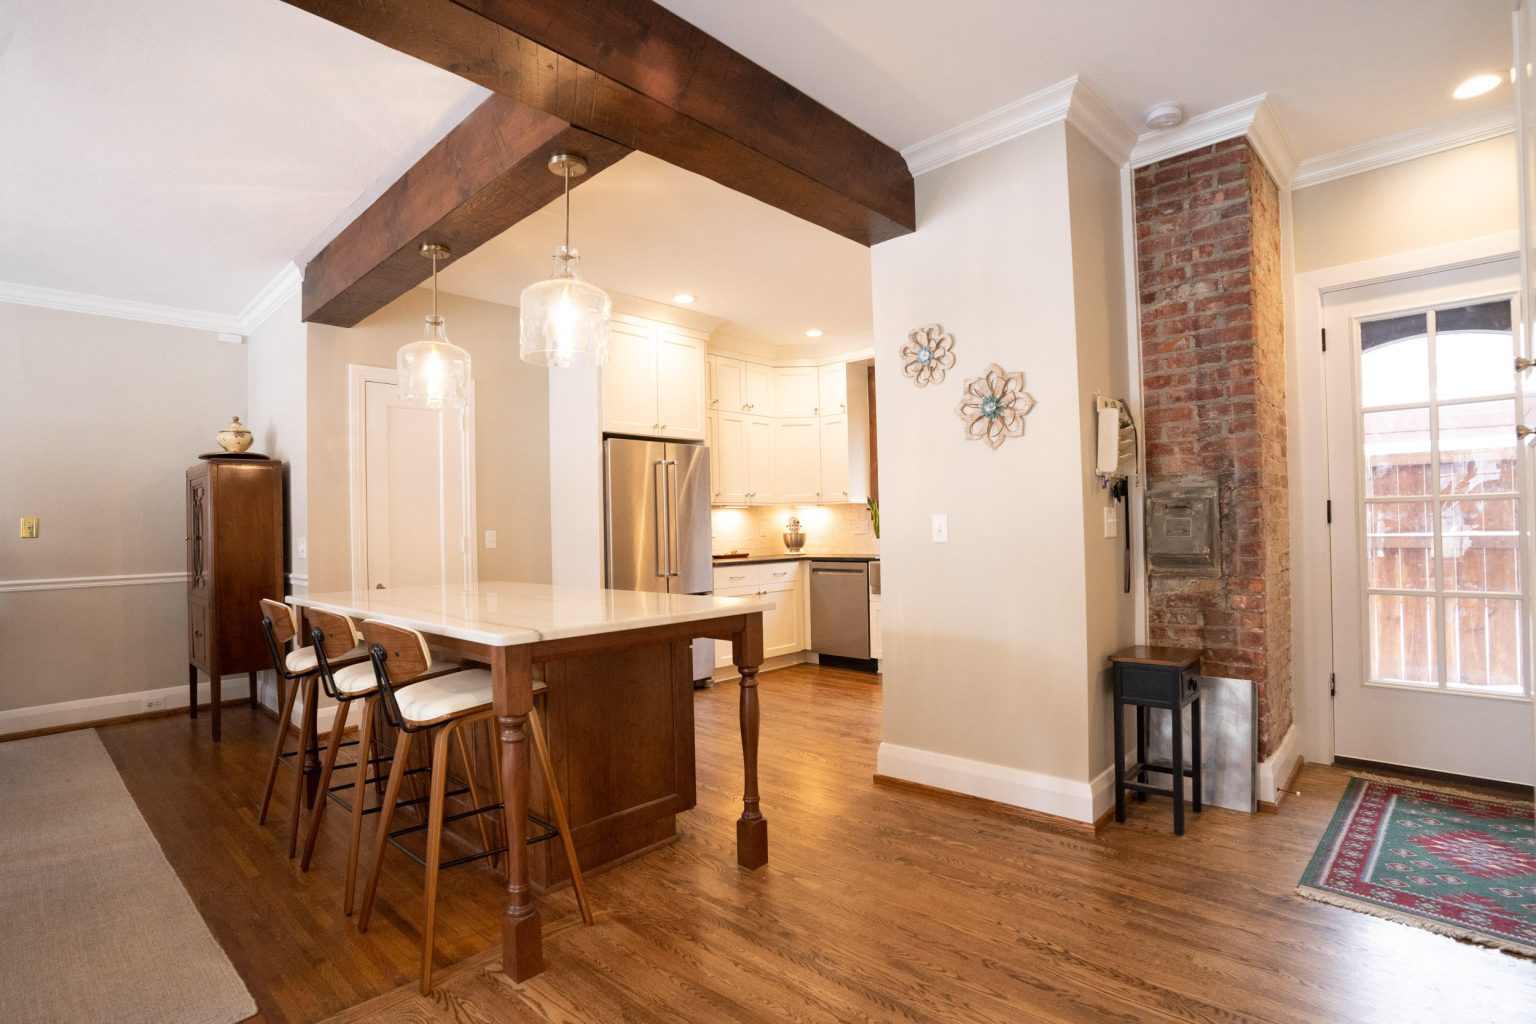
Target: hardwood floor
(879, 904)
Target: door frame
(358, 379)
(1312, 556)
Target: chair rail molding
(137, 579)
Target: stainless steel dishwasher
(840, 609)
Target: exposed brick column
(1213, 380)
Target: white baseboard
(1275, 771)
(1047, 794)
(117, 705)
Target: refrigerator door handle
(659, 479)
(674, 554)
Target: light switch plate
(490, 539)
(941, 529)
(29, 527)
(1111, 522)
(302, 548)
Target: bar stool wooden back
(414, 701)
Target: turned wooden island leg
(751, 827)
(522, 936)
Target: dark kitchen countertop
(801, 557)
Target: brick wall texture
(1213, 384)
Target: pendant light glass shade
(564, 319)
(433, 373)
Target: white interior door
(413, 489)
(1430, 535)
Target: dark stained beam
(485, 175)
(639, 76)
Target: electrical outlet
(301, 548)
(29, 526)
(1111, 522)
(154, 704)
(941, 529)
(490, 540)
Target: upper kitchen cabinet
(832, 389)
(654, 381)
(737, 385)
(834, 445)
(795, 390)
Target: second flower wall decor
(994, 406)
(928, 354)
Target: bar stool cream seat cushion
(355, 680)
(302, 659)
(432, 700)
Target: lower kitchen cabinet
(784, 626)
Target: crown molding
(1020, 117)
(1409, 145)
(1069, 100)
(123, 309)
(271, 298)
(1253, 118)
(230, 327)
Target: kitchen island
(584, 640)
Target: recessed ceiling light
(1477, 85)
(682, 298)
(814, 332)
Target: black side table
(1157, 677)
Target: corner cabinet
(654, 381)
(234, 559)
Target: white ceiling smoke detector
(1164, 115)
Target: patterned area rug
(1451, 863)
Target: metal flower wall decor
(928, 354)
(994, 406)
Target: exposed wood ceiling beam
(634, 73)
(485, 175)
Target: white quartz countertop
(507, 614)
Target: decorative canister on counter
(794, 538)
(235, 437)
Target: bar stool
(298, 668)
(337, 636)
(451, 702)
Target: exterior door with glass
(1429, 536)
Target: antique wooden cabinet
(234, 559)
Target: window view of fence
(1443, 568)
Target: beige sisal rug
(94, 924)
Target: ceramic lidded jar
(235, 437)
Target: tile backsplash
(828, 529)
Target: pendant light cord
(434, 285)
(566, 174)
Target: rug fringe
(1415, 921)
(1438, 787)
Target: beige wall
(511, 434)
(992, 640)
(1446, 197)
(101, 418)
(276, 374)
(1098, 288)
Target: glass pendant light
(433, 373)
(564, 320)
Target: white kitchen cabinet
(680, 385)
(797, 458)
(784, 625)
(832, 389)
(629, 380)
(654, 382)
(712, 442)
(795, 390)
(759, 389)
(728, 465)
(728, 389)
(832, 437)
(761, 458)
(874, 625)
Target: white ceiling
(1339, 72)
(648, 229)
(181, 152)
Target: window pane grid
(1442, 558)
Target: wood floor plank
(879, 904)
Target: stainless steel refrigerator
(657, 530)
